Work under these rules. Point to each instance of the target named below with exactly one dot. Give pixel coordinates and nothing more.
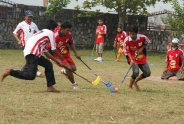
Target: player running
(118, 42)
(63, 39)
(174, 62)
(134, 46)
(33, 55)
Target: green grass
(26, 102)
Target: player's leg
(135, 73)
(49, 73)
(120, 52)
(180, 75)
(146, 73)
(101, 47)
(117, 46)
(97, 51)
(28, 72)
(69, 74)
(168, 74)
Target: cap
(175, 40)
(28, 13)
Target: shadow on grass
(65, 91)
(153, 91)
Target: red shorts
(68, 59)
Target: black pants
(28, 72)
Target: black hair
(120, 27)
(133, 28)
(101, 19)
(66, 24)
(59, 21)
(51, 24)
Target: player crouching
(174, 62)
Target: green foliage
(122, 7)
(56, 5)
(176, 20)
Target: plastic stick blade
(96, 82)
(109, 84)
(90, 58)
(112, 90)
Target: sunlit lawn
(26, 102)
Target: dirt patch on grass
(170, 80)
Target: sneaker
(38, 73)
(63, 71)
(100, 59)
(75, 86)
(97, 59)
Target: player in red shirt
(174, 62)
(33, 55)
(101, 31)
(62, 40)
(118, 42)
(134, 46)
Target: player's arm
(15, 34)
(127, 51)
(182, 66)
(17, 39)
(54, 50)
(74, 50)
(49, 56)
(139, 51)
(115, 42)
(167, 63)
(145, 43)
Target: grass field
(26, 102)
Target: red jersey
(56, 30)
(120, 38)
(61, 44)
(100, 38)
(174, 58)
(131, 46)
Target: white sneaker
(38, 73)
(96, 59)
(75, 86)
(63, 71)
(100, 59)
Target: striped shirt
(25, 30)
(38, 42)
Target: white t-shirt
(25, 30)
(37, 43)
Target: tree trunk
(122, 17)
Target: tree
(176, 19)
(122, 7)
(56, 6)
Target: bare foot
(5, 74)
(52, 89)
(137, 87)
(130, 89)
